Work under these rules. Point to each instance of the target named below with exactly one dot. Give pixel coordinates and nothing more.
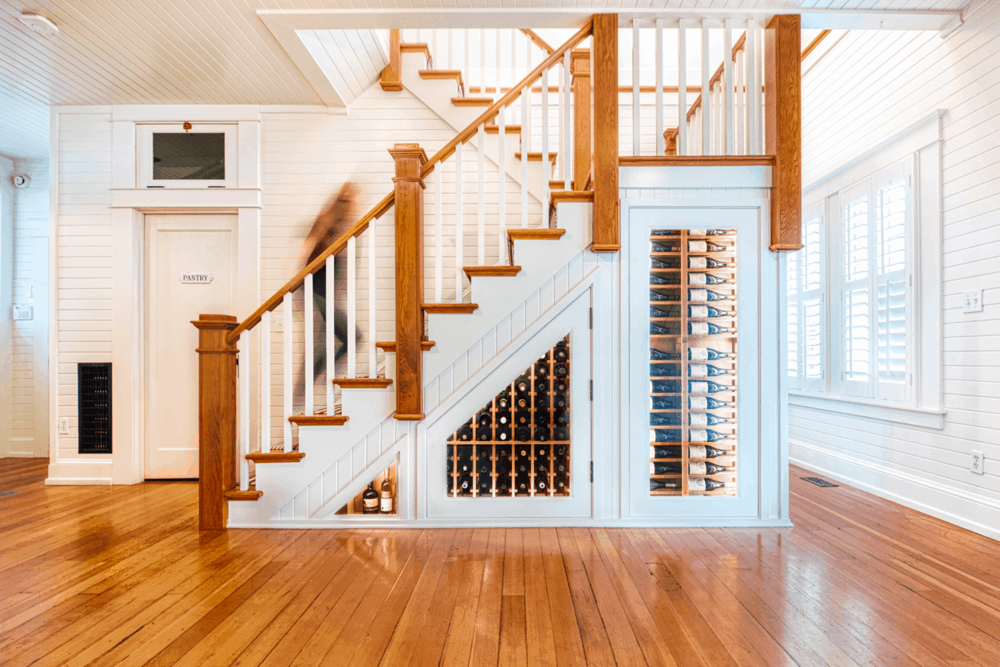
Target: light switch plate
(22, 312)
(64, 425)
(972, 301)
(279, 323)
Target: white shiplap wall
(870, 86)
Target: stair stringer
(497, 297)
(437, 94)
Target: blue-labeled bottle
(665, 402)
(664, 419)
(706, 329)
(705, 435)
(699, 279)
(705, 311)
(665, 244)
(659, 434)
(694, 419)
(694, 452)
(704, 246)
(671, 262)
(664, 370)
(706, 403)
(705, 370)
(672, 311)
(700, 294)
(661, 355)
(703, 262)
(705, 354)
(666, 279)
(694, 468)
(705, 419)
(708, 232)
(658, 330)
(664, 295)
(664, 387)
(705, 387)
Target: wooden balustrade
(606, 237)
(580, 70)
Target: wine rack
(356, 504)
(692, 362)
(518, 445)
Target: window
(201, 156)
(869, 246)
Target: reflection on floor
(121, 576)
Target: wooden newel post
(216, 419)
(580, 69)
(409, 206)
(393, 71)
(783, 128)
(605, 68)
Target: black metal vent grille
(94, 408)
(819, 481)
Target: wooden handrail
(539, 42)
(813, 44)
(512, 95)
(361, 225)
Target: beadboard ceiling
(220, 51)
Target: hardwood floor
(121, 576)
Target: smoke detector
(38, 23)
(20, 180)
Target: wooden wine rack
(679, 341)
(495, 460)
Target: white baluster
(728, 134)
(706, 92)
(559, 125)
(466, 70)
(682, 107)
(451, 51)
(352, 307)
(308, 381)
(481, 141)
(513, 58)
(438, 238)
(265, 382)
(372, 312)
(740, 114)
(331, 331)
(496, 72)
(567, 133)
(287, 364)
(525, 145)
(459, 224)
(636, 64)
(753, 86)
(502, 185)
(244, 410)
(659, 88)
(482, 62)
(545, 148)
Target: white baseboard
(386, 523)
(21, 455)
(938, 500)
(79, 474)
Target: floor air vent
(819, 481)
(94, 408)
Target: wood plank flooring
(121, 576)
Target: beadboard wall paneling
(870, 86)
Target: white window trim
(921, 142)
(144, 156)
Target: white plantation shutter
(792, 279)
(856, 290)
(891, 270)
(806, 316)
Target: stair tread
(508, 129)
(456, 308)
(249, 494)
(441, 74)
(534, 156)
(319, 420)
(362, 383)
(276, 456)
(504, 271)
(472, 101)
(557, 196)
(416, 47)
(535, 233)
(390, 346)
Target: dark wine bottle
(701, 294)
(541, 452)
(541, 402)
(561, 370)
(541, 468)
(560, 386)
(504, 417)
(503, 433)
(661, 355)
(541, 370)
(694, 452)
(465, 433)
(484, 418)
(484, 487)
(483, 467)
(522, 434)
(660, 330)
(671, 312)
(523, 402)
(699, 279)
(705, 370)
(561, 450)
(694, 468)
(561, 353)
(541, 485)
(542, 434)
(503, 486)
(664, 244)
(665, 279)
(503, 400)
(369, 500)
(560, 433)
(705, 312)
(521, 466)
(562, 418)
(503, 468)
(664, 484)
(664, 387)
(484, 434)
(664, 370)
(705, 354)
(464, 484)
(560, 401)
(705, 263)
(706, 329)
(522, 384)
(561, 485)
(665, 419)
(503, 453)
(667, 262)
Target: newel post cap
(410, 158)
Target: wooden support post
(605, 69)
(409, 158)
(391, 74)
(783, 128)
(580, 69)
(217, 448)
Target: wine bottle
(705, 435)
(542, 434)
(503, 486)
(561, 485)
(541, 485)
(561, 353)
(665, 484)
(708, 232)
(503, 433)
(484, 434)
(523, 402)
(541, 370)
(698, 279)
(522, 434)
(664, 294)
(705, 370)
(386, 503)
(369, 500)
(666, 435)
(665, 312)
(522, 486)
(560, 370)
(659, 330)
(562, 418)
(669, 262)
(521, 467)
(560, 433)
(694, 452)
(483, 466)
(465, 433)
(704, 329)
(705, 419)
(705, 354)
(562, 450)
(706, 403)
(560, 401)
(694, 468)
(503, 453)
(664, 387)
(484, 487)
(465, 484)
(503, 417)
(541, 386)
(705, 263)
(522, 384)
(503, 400)
(661, 355)
(704, 312)
(701, 485)
(541, 468)
(484, 418)
(705, 246)
(503, 468)
(702, 294)
(541, 402)
(560, 386)
(664, 370)
(705, 387)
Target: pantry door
(693, 406)
(190, 270)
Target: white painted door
(190, 270)
(659, 260)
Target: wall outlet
(978, 463)
(279, 323)
(972, 301)
(64, 425)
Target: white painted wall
(6, 278)
(870, 86)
